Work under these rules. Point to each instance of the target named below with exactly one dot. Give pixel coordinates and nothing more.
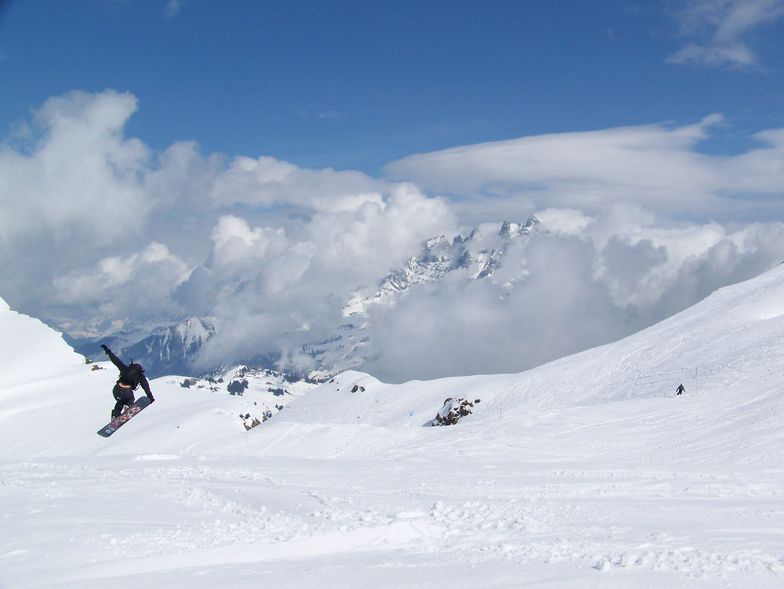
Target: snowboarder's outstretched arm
(146, 388)
(115, 360)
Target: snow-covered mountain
(168, 350)
(172, 347)
(585, 471)
(162, 350)
(475, 256)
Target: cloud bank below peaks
(577, 282)
(636, 223)
(289, 287)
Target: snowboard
(123, 418)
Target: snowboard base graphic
(123, 418)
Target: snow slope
(588, 470)
(53, 401)
(727, 351)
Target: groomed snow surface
(586, 472)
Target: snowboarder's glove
(105, 348)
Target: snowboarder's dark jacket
(131, 375)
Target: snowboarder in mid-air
(131, 376)
(680, 390)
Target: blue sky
(357, 84)
(268, 160)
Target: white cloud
(236, 244)
(581, 288)
(80, 199)
(564, 221)
(657, 167)
(720, 29)
(125, 286)
(451, 328)
(78, 173)
(267, 181)
(289, 288)
(94, 223)
(586, 169)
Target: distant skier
(131, 376)
(680, 390)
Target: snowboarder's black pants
(123, 396)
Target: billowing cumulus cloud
(72, 192)
(290, 289)
(636, 224)
(125, 286)
(77, 171)
(266, 181)
(87, 210)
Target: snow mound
(30, 350)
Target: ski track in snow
(108, 522)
